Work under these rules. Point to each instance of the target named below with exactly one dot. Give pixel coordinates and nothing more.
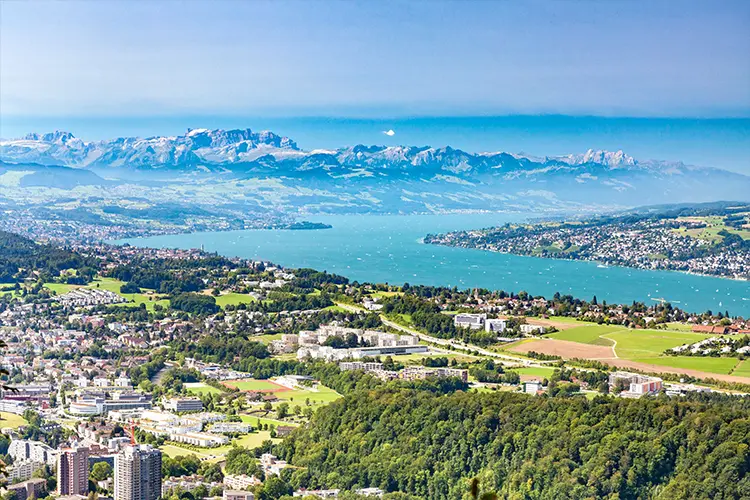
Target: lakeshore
(390, 249)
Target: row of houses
(408, 373)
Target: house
(238, 495)
(710, 329)
(532, 387)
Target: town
(700, 245)
(136, 373)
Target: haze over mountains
(263, 169)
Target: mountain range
(261, 168)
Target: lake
(388, 249)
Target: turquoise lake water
(389, 249)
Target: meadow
(233, 299)
(255, 385)
(11, 420)
(648, 346)
(199, 388)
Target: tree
(100, 471)
(282, 411)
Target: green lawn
(648, 346)
(335, 308)
(534, 371)
(323, 395)
(252, 440)
(253, 420)
(632, 344)
(250, 384)
(234, 299)
(707, 364)
(145, 297)
(588, 334)
(60, 288)
(743, 369)
(266, 339)
(199, 388)
(11, 420)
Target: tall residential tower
(138, 473)
(73, 471)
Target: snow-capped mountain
(195, 147)
(262, 168)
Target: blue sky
(373, 59)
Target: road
(453, 345)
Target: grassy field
(233, 299)
(59, 288)
(199, 388)
(589, 334)
(250, 384)
(253, 420)
(534, 371)
(266, 339)
(252, 440)
(11, 420)
(322, 396)
(632, 344)
(648, 346)
(714, 225)
(707, 364)
(335, 308)
(145, 297)
(743, 369)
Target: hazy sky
(316, 57)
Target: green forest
(432, 445)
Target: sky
(648, 58)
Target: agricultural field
(742, 369)
(199, 388)
(714, 225)
(11, 420)
(589, 334)
(704, 364)
(640, 346)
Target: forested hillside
(525, 447)
(20, 256)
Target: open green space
(199, 388)
(588, 334)
(632, 344)
(11, 420)
(252, 419)
(323, 395)
(704, 364)
(252, 440)
(60, 288)
(233, 299)
(146, 297)
(250, 384)
(266, 339)
(742, 369)
(534, 371)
